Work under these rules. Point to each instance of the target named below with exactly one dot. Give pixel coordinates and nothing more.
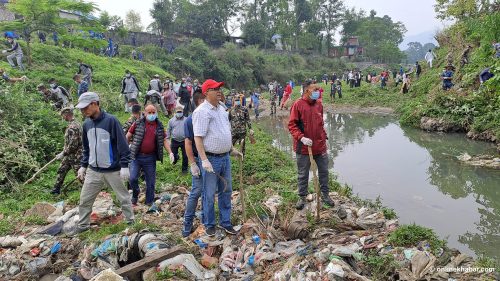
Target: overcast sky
(418, 16)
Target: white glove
(207, 166)
(236, 153)
(306, 141)
(251, 132)
(125, 174)
(195, 170)
(172, 158)
(60, 156)
(81, 173)
(4, 51)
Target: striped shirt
(212, 124)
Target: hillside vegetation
(31, 133)
(473, 107)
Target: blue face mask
(315, 95)
(237, 102)
(151, 117)
(179, 114)
(183, 85)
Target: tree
(459, 9)
(44, 16)
(163, 14)
(133, 21)
(379, 36)
(105, 19)
(330, 14)
(254, 32)
(416, 51)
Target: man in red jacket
(307, 128)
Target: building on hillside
(351, 49)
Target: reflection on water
(416, 173)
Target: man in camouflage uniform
(273, 103)
(136, 115)
(240, 120)
(72, 153)
(50, 97)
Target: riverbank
(368, 245)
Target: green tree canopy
(45, 16)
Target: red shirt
(148, 145)
(288, 90)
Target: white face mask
(53, 85)
(128, 75)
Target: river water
(416, 173)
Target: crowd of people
(204, 124)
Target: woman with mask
(169, 99)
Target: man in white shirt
(212, 134)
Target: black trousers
(175, 145)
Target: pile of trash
(277, 246)
(487, 161)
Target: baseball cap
(210, 84)
(86, 99)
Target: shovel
(314, 168)
(41, 170)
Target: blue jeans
(148, 164)
(212, 184)
(192, 202)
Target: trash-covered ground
(284, 244)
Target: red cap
(210, 84)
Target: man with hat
(212, 134)
(176, 137)
(72, 152)
(105, 159)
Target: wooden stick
(314, 167)
(242, 190)
(41, 170)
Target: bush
(31, 133)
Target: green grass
(381, 267)
(410, 235)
